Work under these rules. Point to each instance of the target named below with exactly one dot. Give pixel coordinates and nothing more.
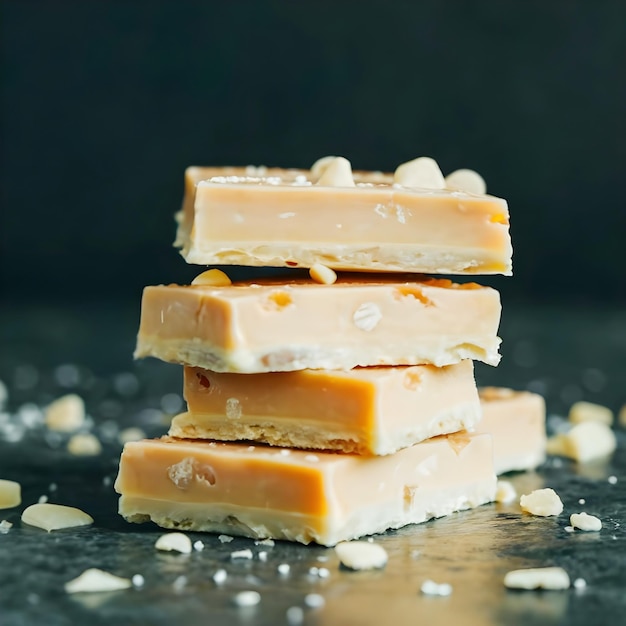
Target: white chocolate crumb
(313, 571)
(174, 542)
(360, 555)
(247, 598)
(322, 274)
(584, 521)
(569, 529)
(294, 615)
(584, 442)
(422, 172)
(5, 527)
(55, 516)
(466, 180)
(84, 444)
(319, 167)
(220, 577)
(131, 434)
(198, 546)
(283, 569)
(337, 173)
(312, 458)
(581, 501)
(262, 555)
(323, 572)
(241, 554)
(225, 538)
(590, 412)
(612, 480)
(212, 278)
(542, 502)
(431, 588)
(138, 581)
(322, 558)
(52, 487)
(66, 413)
(10, 494)
(537, 578)
(580, 583)
(314, 600)
(96, 580)
(179, 583)
(505, 492)
(367, 316)
(43, 499)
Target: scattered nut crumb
(96, 580)
(247, 598)
(367, 316)
(542, 502)
(580, 583)
(66, 413)
(314, 600)
(241, 554)
(43, 499)
(466, 180)
(612, 480)
(174, 542)
(225, 538)
(84, 444)
(537, 578)
(198, 546)
(294, 615)
(583, 521)
(55, 516)
(505, 492)
(283, 569)
(5, 526)
(581, 501)
(360, 555)
(262, 556)
(589, 412)
(322, 274)
(220, 576)
(138, 581)
(265, 542)
(212, 278)
(584, 442)
(10, 494)
(179, 583)
(431, 588)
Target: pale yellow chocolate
(324, 497)
(279, 325)
(278, 217)
(373, 410)
(517, 422)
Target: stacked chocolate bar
(322, 407)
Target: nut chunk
(55, 516)
(542, 502)
(584, 521)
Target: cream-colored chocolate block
(517, 422)
(324, 497)
(372, 410)
(278, 325)
(286, 218)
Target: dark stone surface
(565, 354)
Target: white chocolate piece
(284, 325)
(95, 580)
(359, 555)
(259, 492)
(517, 422)
(584, 442)
(55, 516)
(553, 578)
(423, 173)
(247, 598)
(338, 173)
(468, 181)
(370, 411)
(431, 588)
(590, 412)
(174, 542)
(84, 444)
(322, 274)
(66, 413)
(285, 220)
(10, 494)
(319, 167)
(542, 502)
(584, 521)
(212, 278)
(505, 492)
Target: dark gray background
(106, 103)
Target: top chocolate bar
(411, 221)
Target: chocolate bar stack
(324, 407)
